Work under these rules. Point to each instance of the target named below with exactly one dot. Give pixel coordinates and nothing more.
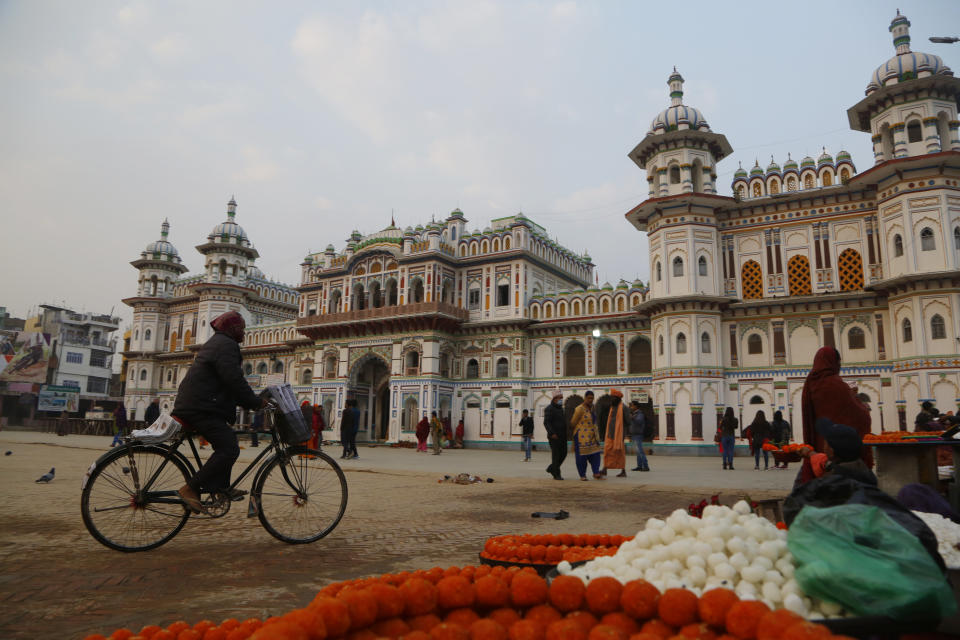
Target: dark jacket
(215, 385)
(350, 419)
(151, 414)
(527, 426)
(728, 427)
(781, 430)
(554, 422)
(638, 425)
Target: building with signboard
(481, 324)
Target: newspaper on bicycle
(291, 425)
(164, 428)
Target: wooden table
(903, 463)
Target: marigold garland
(549, 549)
(532, 610)
(902, 436)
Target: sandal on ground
(190, 499)
(584, 478)
(598, 476)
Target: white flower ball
(697, 576)
(655, 523)
(716, 559)
(771, 592)
(788, 587)
(753, 574)
(738, 561)
(830, 608)
(717, 545)
(774, 577)
(742, 507)
(640, 541)
(696, 562)
(736, 545)
(795, 603)
(667, 534)
(564, 567)
(702, 549)
(724, 571)
(763, 561)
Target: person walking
(447, 432)
(556, 426)
(458, 435)
(780, 429)
(423, 432)
(152, 413)
(526, 434)
(355, 427)
(638, 428)
(614, 450)
(316, 426)
(586, 439)
(207, 399)
(436, 432)
(728, 437)
(119, 423)
(348, 429)
(758, 434)
(826, 395)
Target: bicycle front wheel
(130, 502)
(302, 495)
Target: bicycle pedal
(252, 507)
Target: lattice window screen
(798, 273)
(850, 268)
(752, 279)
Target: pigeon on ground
(47, 477)
(8, 453)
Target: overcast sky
(324, 117)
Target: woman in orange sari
(614, 451)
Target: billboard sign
(53, 398)
(24, 357)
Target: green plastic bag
(857, 556)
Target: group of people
(585, 435)
(440, 432)
(758, 433)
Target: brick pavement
(57, 582)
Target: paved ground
(58, 582)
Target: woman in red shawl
(316, 425)
(826, 395)
(423, 432)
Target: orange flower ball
(335, 615)
(415, 635)
(180, 625)
(657, 628)
(526, 630)
(454, 592)
(464, 617)
(449, 631)
(527, 590)
(121, 634)
(236, 634)
(487, 629)
(359, 634)
(211, 634)
(677, 607)
(389, 601)
(151, 629)
(566, 593)
(744, 616)
(419, 596)
(543, 613)
(186, 634)
(424, 622)
(227, 625)
(504, 616)
(391, 628)
(645, 636)
(584, 619)
(606, 632)
(639, 599)
(362, 606)
(603, 595)
(490, 591)
(538, 553)
(95, 636)
(621, 621)
(714, 604)
(772, 625)
(698, 631)
(806, 631)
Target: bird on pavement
(47, 477)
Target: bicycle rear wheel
(132, 504)
(302, 495)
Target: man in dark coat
(152, 413)
(556, 426)
(207, 400)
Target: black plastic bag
(834, 490)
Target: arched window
(751, 280)
(956, 237)
(660, 346)
(473, 249)
(306, 377)
(756, 400)
(850, 268)
(278, 367)
(503, 367)
(639, 360)
(334, 304)
(705, 342)
(416, 291)
(741, 192)
(702, 265)
(506, 243)
(574, 360)
(359, 298)
(678, 266)
(413, 362)
(927, 242)
(262, 368)
(907, 330)
(774, 187)
(591, 307)
(757, 190)
(143, 375)
(897, 245)
(606, 359)
(473, 368)
(621, 304)
(792, 183)
(659, 272)
(330, 367)
(674, 174)
(535, 312)
(681, 343)
(914, 133)
(844, 175)
(808, 181)
(827, 179)
(146, 334)
(247, 370)
(169, 375)
(605, 306)
(754, 344)
(798, 276)
(856, 339)
(938, 329)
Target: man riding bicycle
(207, 400)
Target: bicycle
(129, 500)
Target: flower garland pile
(786, 448)
(902, 436)
(494, 603)
(551, 549)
